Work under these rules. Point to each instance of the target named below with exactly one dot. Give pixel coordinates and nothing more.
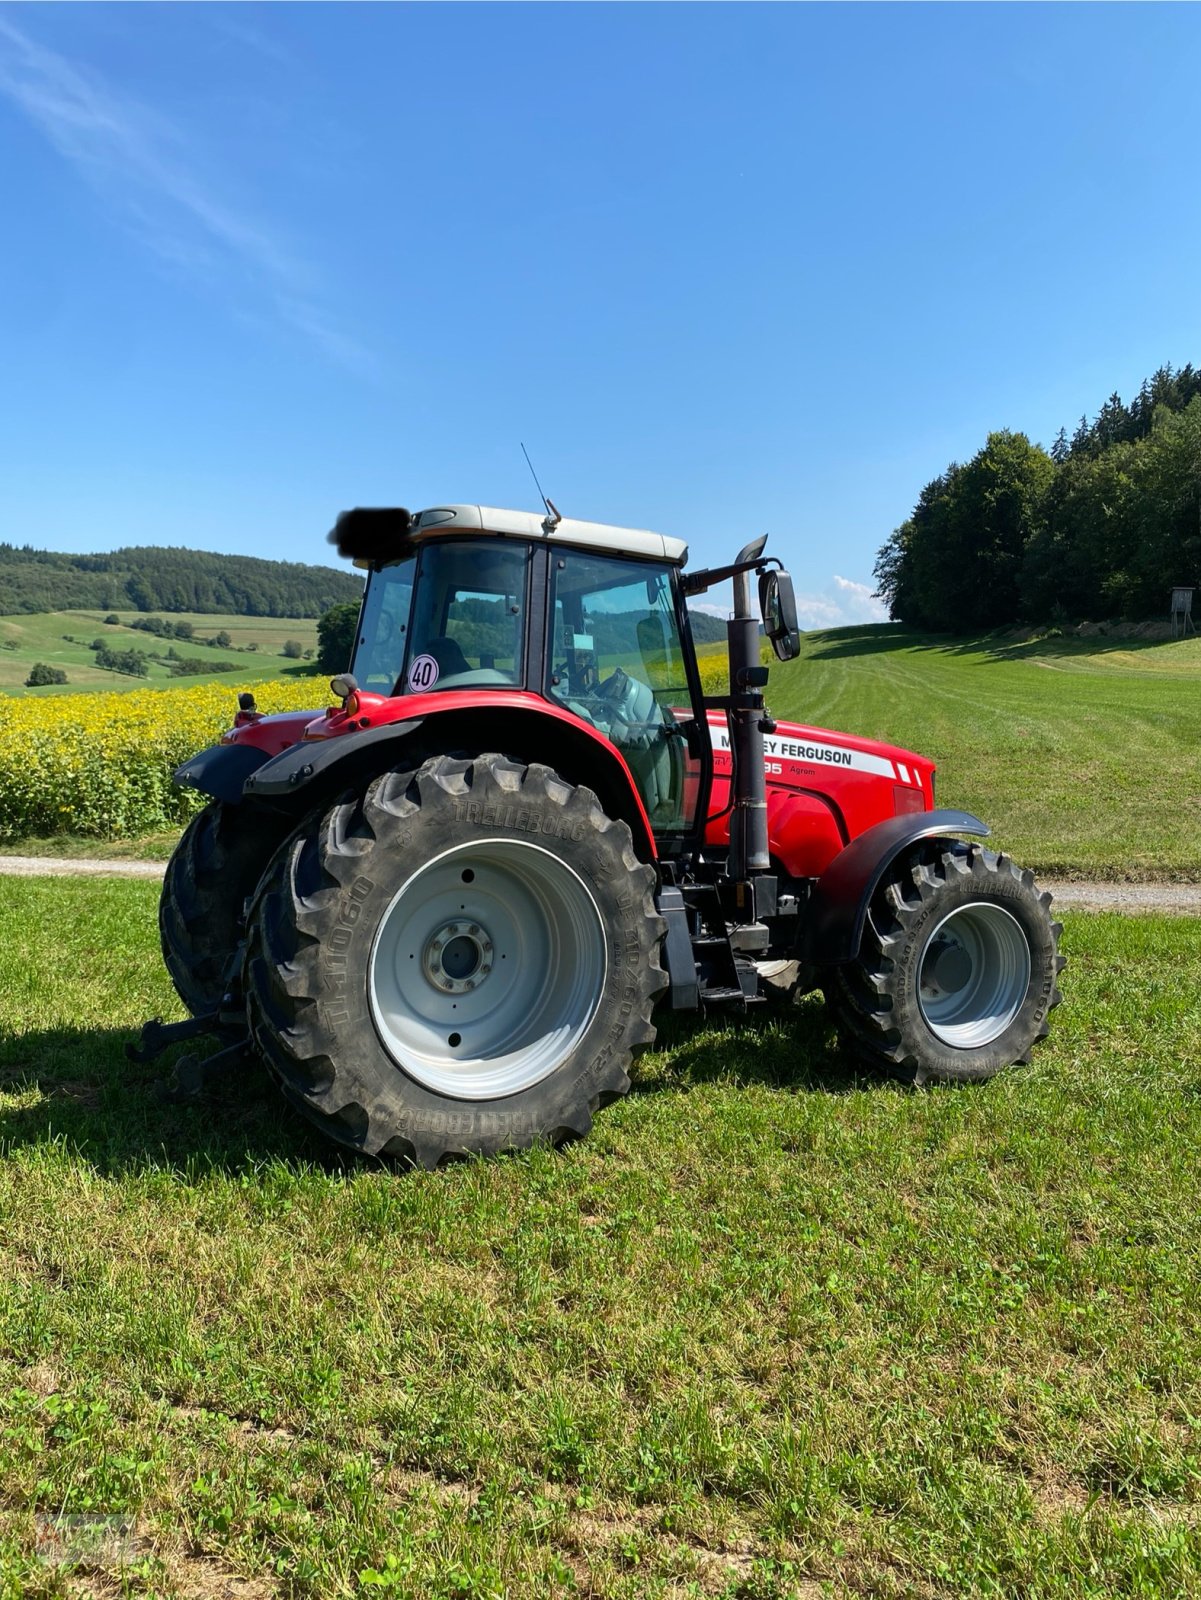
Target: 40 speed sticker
(423, 674)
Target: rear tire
(459, 961)
(211, 874)
(957, 968)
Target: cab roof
(371, 535)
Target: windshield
(383, 627)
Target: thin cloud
(860, 601)
(249, 38)
(844, 603)
(126, 149)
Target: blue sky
(724, 269)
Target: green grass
(39, 636)
(773, 1329)
(1083, 756)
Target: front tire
(459, 961)
(957, 968)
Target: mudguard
(311, 772)
(306, 763)
(221, 770)
(841, 896)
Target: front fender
(841, 896)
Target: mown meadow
(63, 639)
(1082, 754)
(775, 1329)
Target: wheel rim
(487, 968)
(973, 976)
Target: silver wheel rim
(973, 976)
(487, 969)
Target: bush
(195, 667)
(40, 675)
(113, 620)
(130, 662)
(293, 649)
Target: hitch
(157, 1035)
(193, 1076)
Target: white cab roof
(598, 536)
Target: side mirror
(777, 603)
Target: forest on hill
(1101, 526)
(152, 578)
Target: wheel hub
(974, 975)
(947, 966)
(458, 957)
(487, 968)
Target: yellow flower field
(100, 765)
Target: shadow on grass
(86, 1095)
(111, 1112)
(790, 1047)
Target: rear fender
(221, 770)
(841, 896)
(312, 773)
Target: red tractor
(444, 910)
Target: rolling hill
(153, 578)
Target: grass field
(39, 636)
(1084, 756)
(772, 1330)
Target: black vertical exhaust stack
(749, 856)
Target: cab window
(468, 619)
(616, 659)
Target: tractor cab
(590, 618)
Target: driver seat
(448, 653)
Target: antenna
(553, 515)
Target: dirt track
(53, 867)
(1179, 899)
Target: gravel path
(55, 867)
(1182, 899)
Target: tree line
(151, 578)
(1102, 525)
